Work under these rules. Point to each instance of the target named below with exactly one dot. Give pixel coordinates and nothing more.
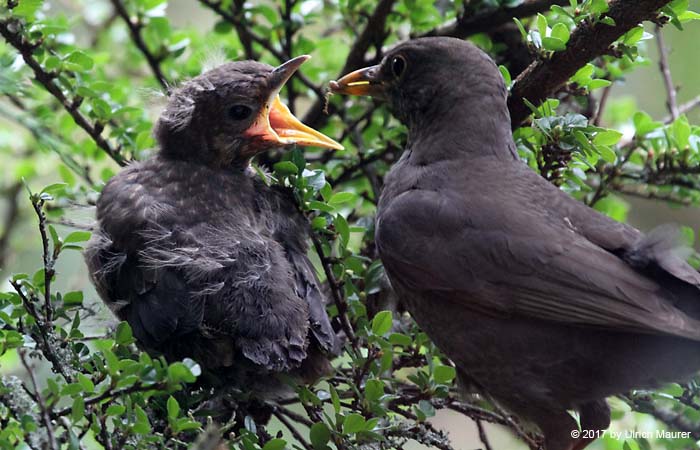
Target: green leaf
(343, 229)
(285, 168)
(173, 408)
(142, 425)
(78, 61)
(400, 339)
(340, 198)
(77, 409)
(688, 16)
(644, 124)
(426, 408)
(583, 75)
(319, 434)
(374, 389)
(275, 444)
(598, 83)
(633, 36)
(115, 410)
(353, 423)
(124, 335)
(553, 44)
(73, 298)
(27, 8)
(178, 373)
(77, 236)
(606, 153)
(561, 32)
(599, 6)
(505, 74)
(444, 374)
(520, 26)
(382, 322)
(86, 383)
(607, 137)
(54, 189)
(542, 25)
(680, 129)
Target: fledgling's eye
(398, 65)
(239, 112)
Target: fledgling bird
(198, 254)
(542, 302)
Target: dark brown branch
(485, 21)
(290, 426)
(112, 394)
(135, 28)
(671, 101)
(49, 259)
(601, 106)
(11, 30)
(482, 435)
(373, 33)
(588, 41)
(338, 298)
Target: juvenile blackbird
(200, 255)
(542, 302)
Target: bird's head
(426, 78)
(229, 114)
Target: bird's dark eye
(239, 112)
(398, 65)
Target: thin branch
(487, 20)
(11, 29)
(588, 41)
(43, 338)
(45, 413)
(601, 106)
(338, 298)
(49, 259)
(111, 394)
(290, 426)
(687, 107)
(135, 28)
(482, 435)
(671, 101)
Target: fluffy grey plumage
(541, 301)
(199, 255)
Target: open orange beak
(277, 124)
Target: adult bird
(197, 253)
(542, 302)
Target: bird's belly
(522, 360)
